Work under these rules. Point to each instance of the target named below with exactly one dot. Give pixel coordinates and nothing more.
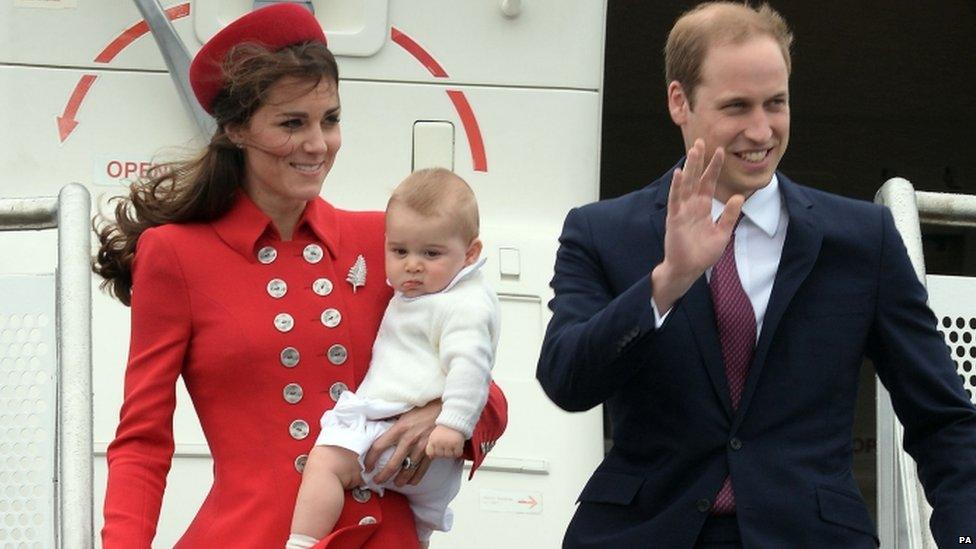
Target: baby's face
(423, 254)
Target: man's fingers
(726, 222)
(709, 179)
(696, 182)
(674, 193)
(692, 169)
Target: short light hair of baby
(435, 192)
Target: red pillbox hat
(274, 26)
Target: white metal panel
(541, 147)
(553, 43)
(124, 117)
(76, 36)
(953, 299)
(355, 27)
(556, 450)
(28, 405)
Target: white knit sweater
(438, 345)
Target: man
(727, 349)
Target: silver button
(337, 389)
(300, 462)
(331, 318)
(267, 254)
(298, 429)
(293, 393)
(312, 253)
(337, 354)
(322, 286)
(284, 322)
(277, 288)
(289, 357)
(361, 494)
(367, 520)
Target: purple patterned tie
(736, 323)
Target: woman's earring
(240, 144)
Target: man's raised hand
(692, 241)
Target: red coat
(202, 307)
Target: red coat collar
(244, 225)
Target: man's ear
(474, 250)
(678, 103)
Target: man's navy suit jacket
(844, 289)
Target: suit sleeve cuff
(659, 319)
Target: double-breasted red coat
(266, 334)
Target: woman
(264, 297)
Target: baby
(437, 340)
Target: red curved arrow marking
(461, 105)
(471, 129)
(66, 122)
(418, 52)
(130, 34)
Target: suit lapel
(800, 250)
(696, 306)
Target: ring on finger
(409, 464)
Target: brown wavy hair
(202, 188)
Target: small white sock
(300, 541)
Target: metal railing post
(903, 512)
(73, 490)
(75, 366)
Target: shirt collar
(762, 208)
(244, 225)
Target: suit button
(331, 318)
(277, 288)
(289, 357)
(322, 286)
(293, 393)
(337, 389)
(267, 254)
(312, 253)
(300, 462)
(361, 495)
(367, 520)
(284, 322)
(337, 354)
(298, 429)
(703, 505)
(735, 443)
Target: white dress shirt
(758, 247)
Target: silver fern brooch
(357, 273)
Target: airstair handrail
(903, 512)
(70, 212)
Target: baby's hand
(445, 442)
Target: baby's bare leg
(329, 472)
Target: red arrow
(531, 502)
(66, 122)
(130, 34)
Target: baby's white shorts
(355, 423)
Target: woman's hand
(409, 435)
